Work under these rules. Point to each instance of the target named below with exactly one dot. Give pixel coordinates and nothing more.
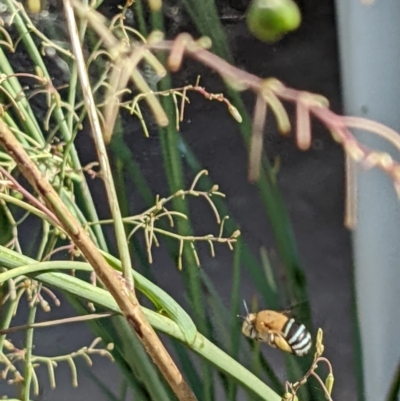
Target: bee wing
(294, 309)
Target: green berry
(269, 20)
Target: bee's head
(248, 328)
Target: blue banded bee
(278, 331)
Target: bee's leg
(268, 338)
(277, 340)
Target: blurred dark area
(312, 184)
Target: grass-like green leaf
(22, 265)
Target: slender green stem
(28, 355)
(140, 17)
(234, 324)
(6, 316)
(44, 239)
(100, 145)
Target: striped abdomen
(297, 336)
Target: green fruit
(269, 20)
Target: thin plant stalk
(26, 389)
(99, 144)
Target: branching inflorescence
(14, 356)
(146, 221)
(270, 93)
